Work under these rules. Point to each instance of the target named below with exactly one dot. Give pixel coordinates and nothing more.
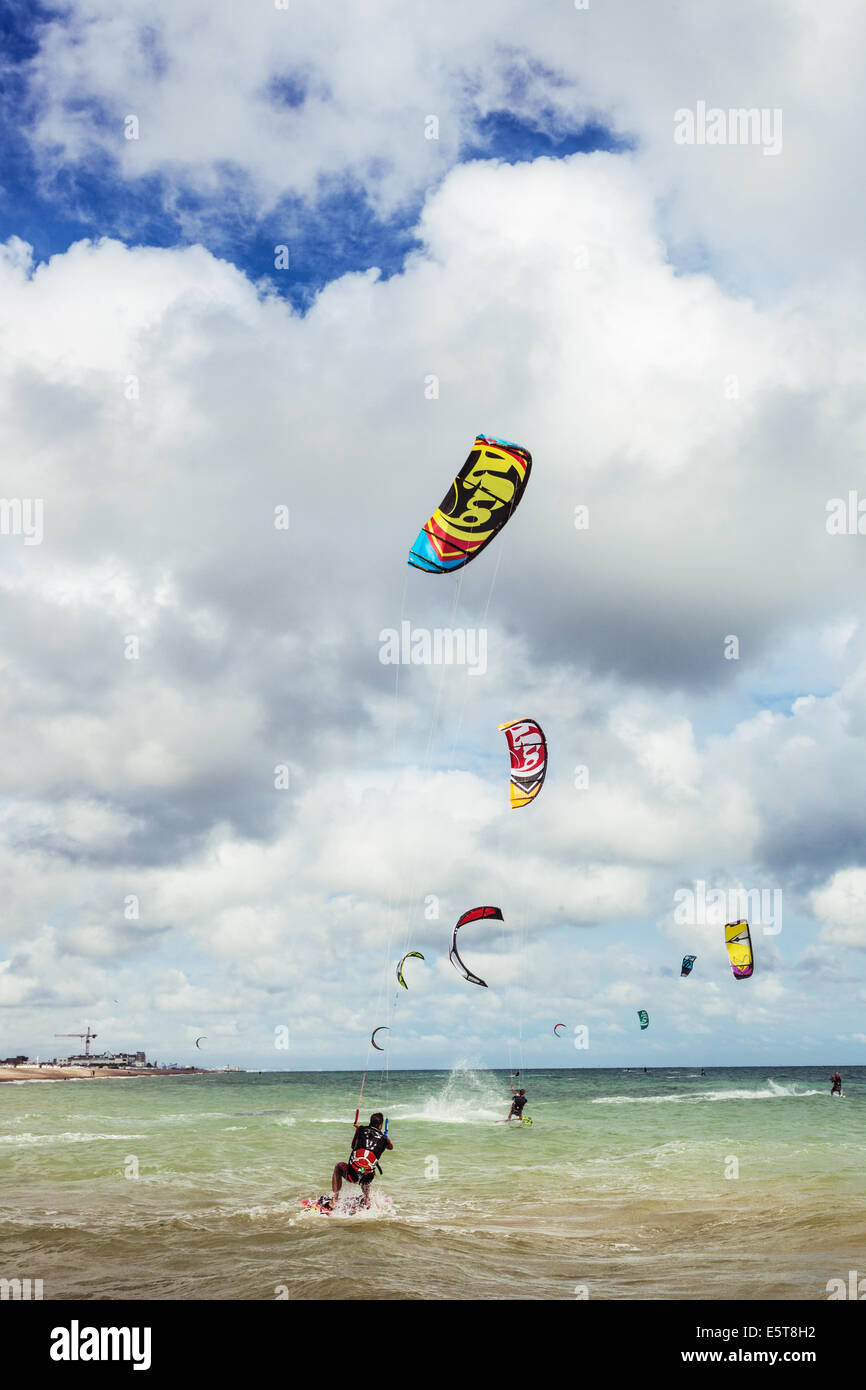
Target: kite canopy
(688, 962)
(528, 748)
(644, 1018)
(383, 1029)
(483, 496)
(202, 1039)
(558, 1025)
(400, 979)
(475, 914)
(739, 944)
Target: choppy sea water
(744, 1183)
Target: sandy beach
(50, 1073)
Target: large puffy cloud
(155, 777)
(840, 905)
(240, 107)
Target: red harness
(363, 1161)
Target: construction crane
(88, 1038)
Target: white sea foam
(772, 1091)
(379, 1206)
(438, 1110)
(178, 1117)
(328, 1120)
(467, 1098)
(70, 1137)
(348, 1206)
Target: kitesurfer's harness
(364, 1160)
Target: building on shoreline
(126, 1060)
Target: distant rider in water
(518, 1100)
(836, 1088)
(368, 1145)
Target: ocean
(745, 1183)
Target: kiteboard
(347, 1207)
(319, 1204)
(840, 1094)
(323, 1206)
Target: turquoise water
(619, 1185)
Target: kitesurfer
(368, 1145)
(836, 1088)
(518, 1100)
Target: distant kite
(200, 1040)
(528, 748)
(475, 914)
(739, 944)
(558, 1025)
(382, 1029)
(644, 1018)
(482, 497)
(686, 967)
(400, 979)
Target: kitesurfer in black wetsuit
(836, 1088)
(368, 1145)
(518, 1100)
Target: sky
(265, 272)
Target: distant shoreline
(31, 1072)
(49, 1073)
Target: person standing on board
(517, 1103)
(836, 1088)
(368, 1145)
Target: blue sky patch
(502, 135)
(335, 234)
